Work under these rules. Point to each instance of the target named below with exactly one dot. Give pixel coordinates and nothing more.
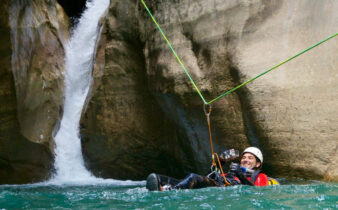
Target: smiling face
(249, 161)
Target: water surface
(134, 195)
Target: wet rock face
(39, 31)
(141, 118)
(125, 134)
(222, 44)
(21, 160)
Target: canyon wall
(32, 37)
(289, 113)
(143, 115)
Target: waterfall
(80, 52)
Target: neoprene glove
(237, 171)
(234, 167)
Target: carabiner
(207, 110)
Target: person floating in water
(246, 173)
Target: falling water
(80, 53)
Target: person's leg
(194, 181)
(155, 182)
(165, 180)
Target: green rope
(252, 79)
(235, 88)
(172, 49)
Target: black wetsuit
(192, 181)
(195, 181)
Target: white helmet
(255, 151)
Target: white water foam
(80, 53)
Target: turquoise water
(299, 195)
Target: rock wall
(32, 36)
(295, 107)
(143, 115)
(125, 132)
(38, 33)
(289, 113)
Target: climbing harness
(235, 88)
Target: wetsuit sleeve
(244, 180)
(262, 180)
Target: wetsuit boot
(152, 182)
